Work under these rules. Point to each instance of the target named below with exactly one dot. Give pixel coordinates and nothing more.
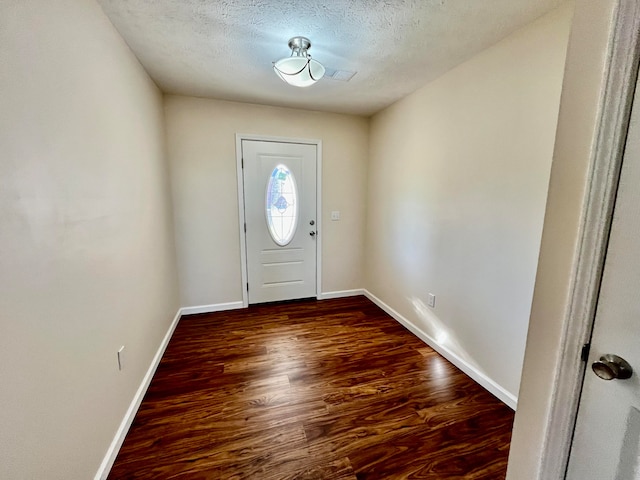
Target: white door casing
(280, 267)
(606, 441)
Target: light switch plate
(335, 215)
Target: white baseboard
(215, 307)
(489, 384)
(121, 433)
(341, 294)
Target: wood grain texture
(310, 390)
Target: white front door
(280, 218)
(606, 443)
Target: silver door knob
(612, 366)
(313, 234)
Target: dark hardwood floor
(332, 389)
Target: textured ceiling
(225, 48)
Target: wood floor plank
(311, 390)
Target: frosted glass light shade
(299, 71)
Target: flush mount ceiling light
(299, 70)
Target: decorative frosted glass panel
(282, 205)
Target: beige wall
(202, 151)
(579, 113)
(87, 261)
(457, 185)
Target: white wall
(201, 145)
(576, 138)
(457, 185)
(87, 260)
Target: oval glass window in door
(282, 205)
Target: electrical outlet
(121, 358)
(431, 300)
(335, 215)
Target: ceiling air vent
(340, 75)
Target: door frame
(610, 138)
(241, 218)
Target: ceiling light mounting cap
(300, 44)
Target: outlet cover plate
(121, 358)
(431, 300)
